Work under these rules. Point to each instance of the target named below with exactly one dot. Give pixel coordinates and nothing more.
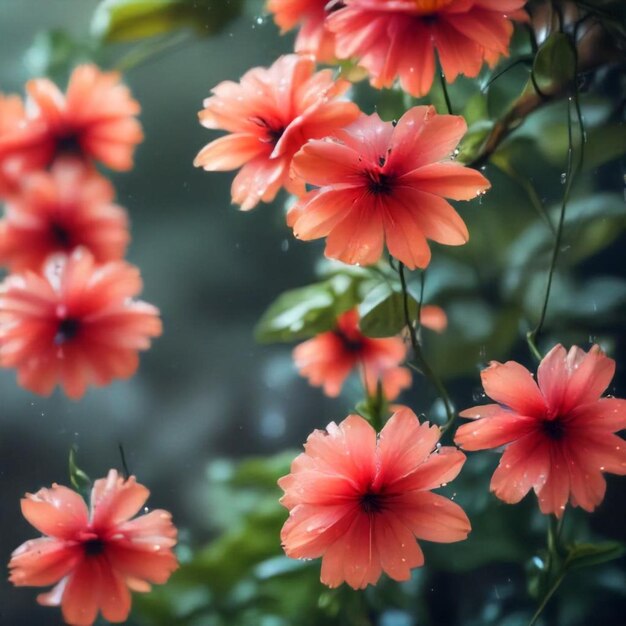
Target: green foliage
(130, 20)
(382, 311)
(554, 67)
(55, 52)
(79, 479)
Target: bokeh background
(207, 395)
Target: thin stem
(421, 362)
(141, 54)
(546, 599)
(555, 526)
(531, 336)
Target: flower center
(66, 330)
(371, 503)
(553, 429)
(68, 144)
(379, 183)
(272, 133)
(334, 5)
(350, 344)
(94, 547)
(60, 234)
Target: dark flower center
(554, 429)
(60, 235)
(349, 344)
(371, 503)
(273, 133)
(379, 183)
(69, 144)
(67, 329)
(94, 547)
(334, 5)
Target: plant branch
(421, 364)
(531, 336)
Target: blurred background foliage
(213, 419)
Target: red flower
(70, 206)
(270, 114)
(360, 502)
(11, 114)
(329, 358)
(94, 119)
(313, 37)
(384, 184)
(94, 559)
(558, 435)
(75, 325)
(397, 39)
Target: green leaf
(301, 313)
(382, 311)
(555, 64)
(79, 479)
(588, 554)
(591, 223)
(129, 20)
(55, 52)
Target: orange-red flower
(384, 184)
(70, 206)
(270, 114)
(360, 502)
(397, 39)
(313, 37)
(559, 434)
(75, 325)
(329, 358)
(94, 559)
(95, 120)
(11, 114)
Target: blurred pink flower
(313, 37)
(384, 184)
(57, 211)
(74, 325)
(11, 114)
(329, 358)
(397, 39)
(96, 558)
(94, 120)
(359, 501)
(270, 114)
(558, 434)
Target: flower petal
(512, 385)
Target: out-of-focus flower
(75, 325)
(397, 39)
(329, 358)
(270, 114)
(360, 503)
(383, 184)
(94, 559)
(559, 434)
(70, 206)
(313, 37)
(11, 114)
(94, 120)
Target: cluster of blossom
(357, 498)
(67, 316)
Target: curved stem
(421, 364)
(546, 599)
(531, 336)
